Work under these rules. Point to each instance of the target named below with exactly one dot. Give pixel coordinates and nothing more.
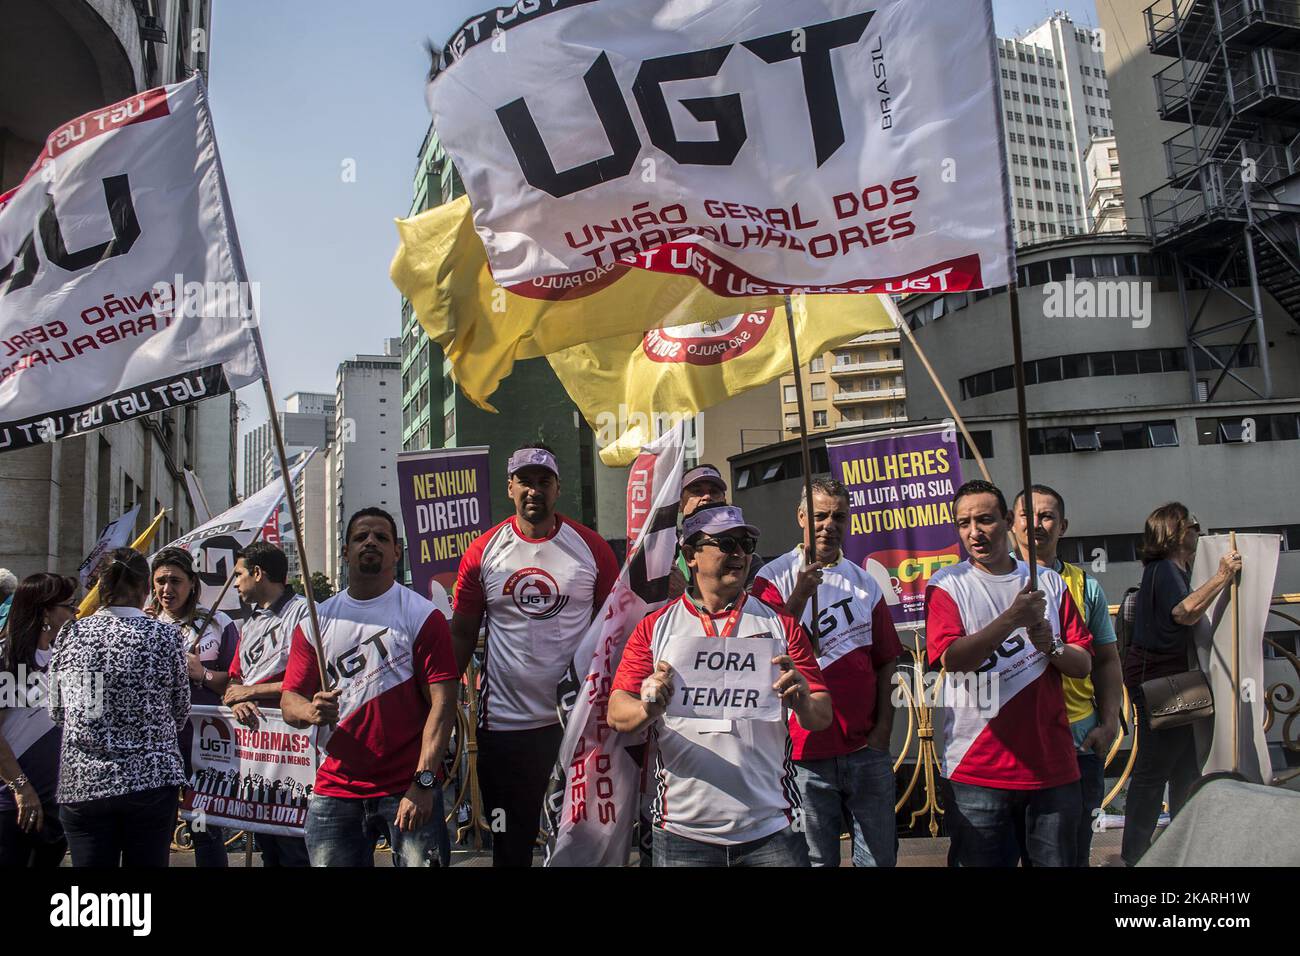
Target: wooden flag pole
(810, 547)
(1026, 479)
(943, 393)
(1236, 663)
(293, 511)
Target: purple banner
(901, 527)
(445, 506)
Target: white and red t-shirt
(539, 595)
(1013, 735)
(856, 636)
(719, 781)
(262, 653)
(378, 652)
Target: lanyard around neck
(728, 626)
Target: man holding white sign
(713, 676)
(845, 770)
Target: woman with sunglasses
(1166, 609)
(209, 639)
(30, 832)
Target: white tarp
(1259, 555)
(829, 145)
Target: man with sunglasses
(846, 770)
(725, 795)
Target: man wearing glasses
(726, 793)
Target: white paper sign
(727, 678)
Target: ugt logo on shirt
(535, 593)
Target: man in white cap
(702, 485)
(726, 793)
(539, 578)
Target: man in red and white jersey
(726, 793)
(846, 770)
(261, 657)
(539, 578)
(393, 680)
(1008, 750)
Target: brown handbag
(1178, 699)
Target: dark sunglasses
(729, 544)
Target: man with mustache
(1008, 752)
(845, 773)
(1094, 727)
(725, 794)
(391, 703)
(539, 578)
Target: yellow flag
(90, 603)
(483, 328)
(630, 379)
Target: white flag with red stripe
(595, 794)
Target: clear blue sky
(298, 88)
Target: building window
(820, 419)
(791, 395)
(792, 422)
(818, 364)
(819, 391)
(1127, 436)
(983, 442)
(1247, 429)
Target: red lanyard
(728, 626)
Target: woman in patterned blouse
(120, 690)
(209, 639)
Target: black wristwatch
(425, 779)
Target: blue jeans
(342, 831)
(856, 789)
(783, 848)
(282, 851)
(1092, 789)
(981, 824)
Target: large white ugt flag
(763, 147)
(216, 543)
(594, 795)
(121, 287)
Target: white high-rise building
(367, 438)
(1055, 101)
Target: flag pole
(293, 509)
(902, 326)
(1027, 481)
(810, 549)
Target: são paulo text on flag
(121, 285)
(685, 369)
(594, 794)
(823, 145)
(484, 328)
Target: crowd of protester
(95, 771)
